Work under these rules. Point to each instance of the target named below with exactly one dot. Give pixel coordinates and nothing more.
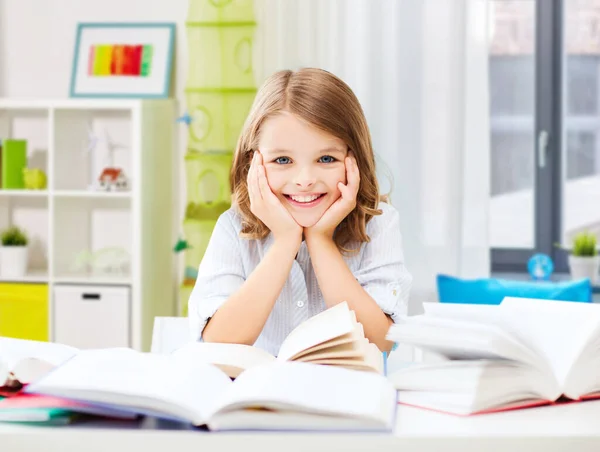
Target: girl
(306, 229)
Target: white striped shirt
(229, 260)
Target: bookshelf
(105, 256)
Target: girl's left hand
(345, 204)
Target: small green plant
(14, 236)
(584, 244)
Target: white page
(556, 330)
(559, 329)
(236, 355)
(326, 325)
(314, 389)
(14, 350)
(124, 378)
(461, 339)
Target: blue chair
(492, 290)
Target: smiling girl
(307, 228)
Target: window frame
(548, 116)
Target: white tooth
(304, 198)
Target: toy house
(113, 179)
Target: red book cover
(137, 60)
(127, 60)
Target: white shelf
(92, 279)
(76, 104)
(74, 227)
(92, 194)
(33, 276)
(24, 193)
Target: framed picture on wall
(129, 60)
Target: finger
(249, 178)
(263, 184)
(353, 176)
(346, 191)
(253, 189)
(256, 178)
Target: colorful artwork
(107, 60)
(123, 60)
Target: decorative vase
(13, 261)
(585, 267)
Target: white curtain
(419, 68)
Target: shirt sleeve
(382, 272)
(220, 274)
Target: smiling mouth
(304, 201)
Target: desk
(574, 427)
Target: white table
(575, 428)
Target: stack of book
(521, 353)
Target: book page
(233, 359)
(29, 360)
(323, 327)
(356, 349)
(460, 339)
(14, 350)
(308, 388)
(560, 330)
(144, 383)
(557, 331)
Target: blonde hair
(326, 102)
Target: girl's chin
(306, 221)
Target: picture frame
(123, 60)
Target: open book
(332, 337)
(523, 352)
(278, 395)
(23, 361)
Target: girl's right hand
(266, 206)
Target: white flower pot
(13, 261)
(585, 267)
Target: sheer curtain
(420, 71)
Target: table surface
(573, 426)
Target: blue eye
(327, 159)
(282, 160)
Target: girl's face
(303, 165)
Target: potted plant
(584, 261)
(13, 253)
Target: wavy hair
(326, 102)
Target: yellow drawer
(24, 311)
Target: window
(545, 127)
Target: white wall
(37, 41)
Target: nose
(304, 178)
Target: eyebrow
(329, 150)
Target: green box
(14, 161)
(219, 11)
(220, 56)
(207, 178)
(217, 118)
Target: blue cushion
(493, 290)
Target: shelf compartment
(91, 140)
(31, 125)
(31, 215)
(92, 240)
